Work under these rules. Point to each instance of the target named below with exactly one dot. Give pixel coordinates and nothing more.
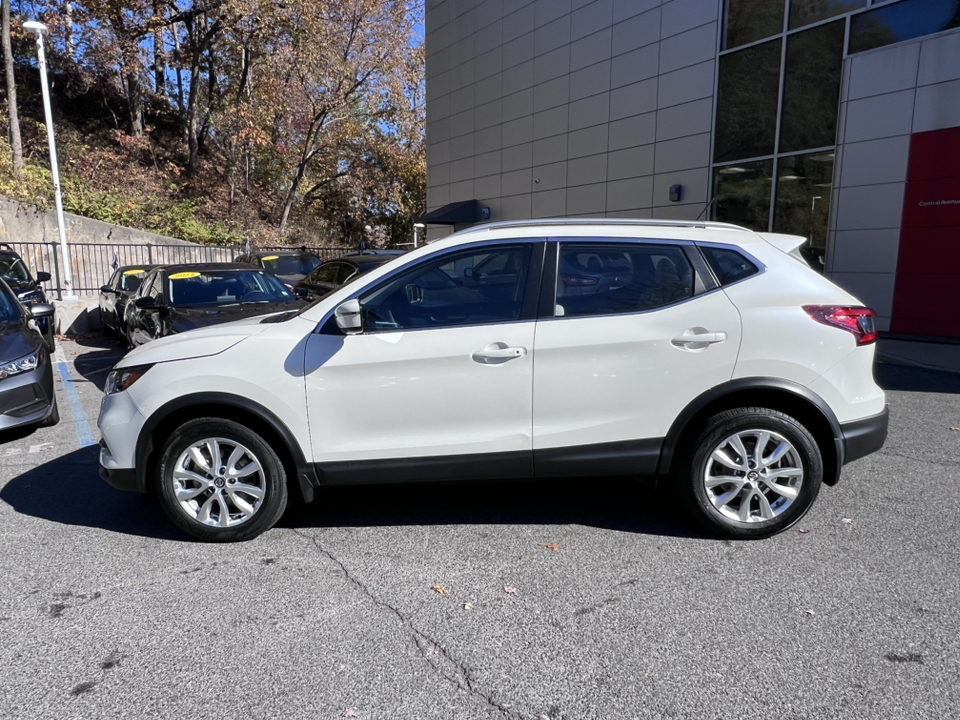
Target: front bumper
(27, 398)
(120, 423)
(862, 437)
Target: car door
(148, 319)
(322, 280)
(108, 300)
(438, 383)
(624, 346)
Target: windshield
(131, 279)
(229, 287)
(13, 270)
(302, 264)
(9, 309)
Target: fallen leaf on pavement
(349, 712)
(955, 429)
(551, 546)
(440, 590)
(847, 521)
(810, 612)
(803, 531)
(468, 606)
(509, 590)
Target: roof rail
(627, 222)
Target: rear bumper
(862, 437)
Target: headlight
(29, 298)
(120, 380)
(24, 364)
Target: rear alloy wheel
(220, 481)
(753, 473)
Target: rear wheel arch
(774, 393)
(166, 419)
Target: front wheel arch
(791, 398)
(166, 419)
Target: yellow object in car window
(270, 257)
(134, 272)
(184, 275)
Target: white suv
(704, 354)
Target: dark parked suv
(27, 290)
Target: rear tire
(751, 473)
(221, 482)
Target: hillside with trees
(295, 122)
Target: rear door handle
(497, 353)
(692, 340)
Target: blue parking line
(84, 436)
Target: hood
(16, 340)
(290, 279)
(184, 319)
(199, 343)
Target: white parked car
(704, 354)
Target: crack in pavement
(429, 649)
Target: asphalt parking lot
(572, 600)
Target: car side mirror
(40, 310)
(103, 288)
(43, 276)
(468, 272)
(348, 317)
(146, 303)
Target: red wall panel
(927, 291)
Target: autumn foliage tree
(306, 113)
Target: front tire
(752, 473)
(219, 481)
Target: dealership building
(838, 120)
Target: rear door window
(607, 279)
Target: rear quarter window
(729, 265)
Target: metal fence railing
(94, 263)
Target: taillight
(577, 280)
(855, 320)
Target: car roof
(209, 267)
(145, 267)
(689, 230)
(294, 251)
(365, 259)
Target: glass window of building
(746, 21)
(803, 196)
(807, 12)
(811, 88)
(748, 91)
(902, 21)
(742, 193)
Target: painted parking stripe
(84, 436)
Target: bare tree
(12, 93)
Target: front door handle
(497, 353)
(698, 338)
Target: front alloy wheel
(221, 481)
(753, 472)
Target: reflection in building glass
(812, 88)
(803, 196)
(747, 92)
(902, 21)
(742, 193)
(746, 21)
(807, 12)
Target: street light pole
(39, 29)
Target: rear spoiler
(787, 244)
